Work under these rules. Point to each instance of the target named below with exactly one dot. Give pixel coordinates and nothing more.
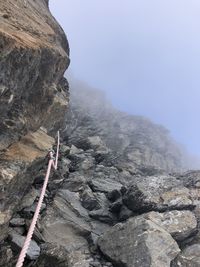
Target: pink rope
(37, 211)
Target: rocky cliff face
(33, 59)
(34, 55)
(112, 202)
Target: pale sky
(145, 54)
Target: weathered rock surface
(138, 242)
(90, 200)
(62, 227)
(34, 55)
(159, 193)
(189, 257)
(6, 256)
(107, 186)
(29, 198)
(180, 224)
(17, 222)
(17, 242)
(52, 255)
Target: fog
(144, 54)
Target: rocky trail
(94, 215)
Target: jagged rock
(95, 264)
(196, 238)
(190, 179)
(87, 164)
(102, 157)
(103, 215)
(74, 151)
(189, 257)
(88, 200)
(63, 227)
(64, 149)
(72, 199)
(125, 214)
(64, 166)
(108, 264)
(55, 183)
(194, 196)
(114, 195)
(98, 228)
(29, 198)
(69, 232)
(76, 161)
(157, 193)
(110, 172)
(5, 216)
(136, 242)
(180, 224)
(20, 166)
(102, 200)
(37, 235)
(29, 211)
(138, 199)
(116, 206)
(78, 258)
(6, 257)
(75, 182)
(18, 230)
(107, 186)
(123, 190)
(93, 241)
(17, 242)
(95, 142)
(52, 255)
(179, 198)
(17, 222)
(39, 179)
(70, 214)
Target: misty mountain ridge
(136, 141)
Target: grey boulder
(138, 242)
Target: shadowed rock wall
(34, 54)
